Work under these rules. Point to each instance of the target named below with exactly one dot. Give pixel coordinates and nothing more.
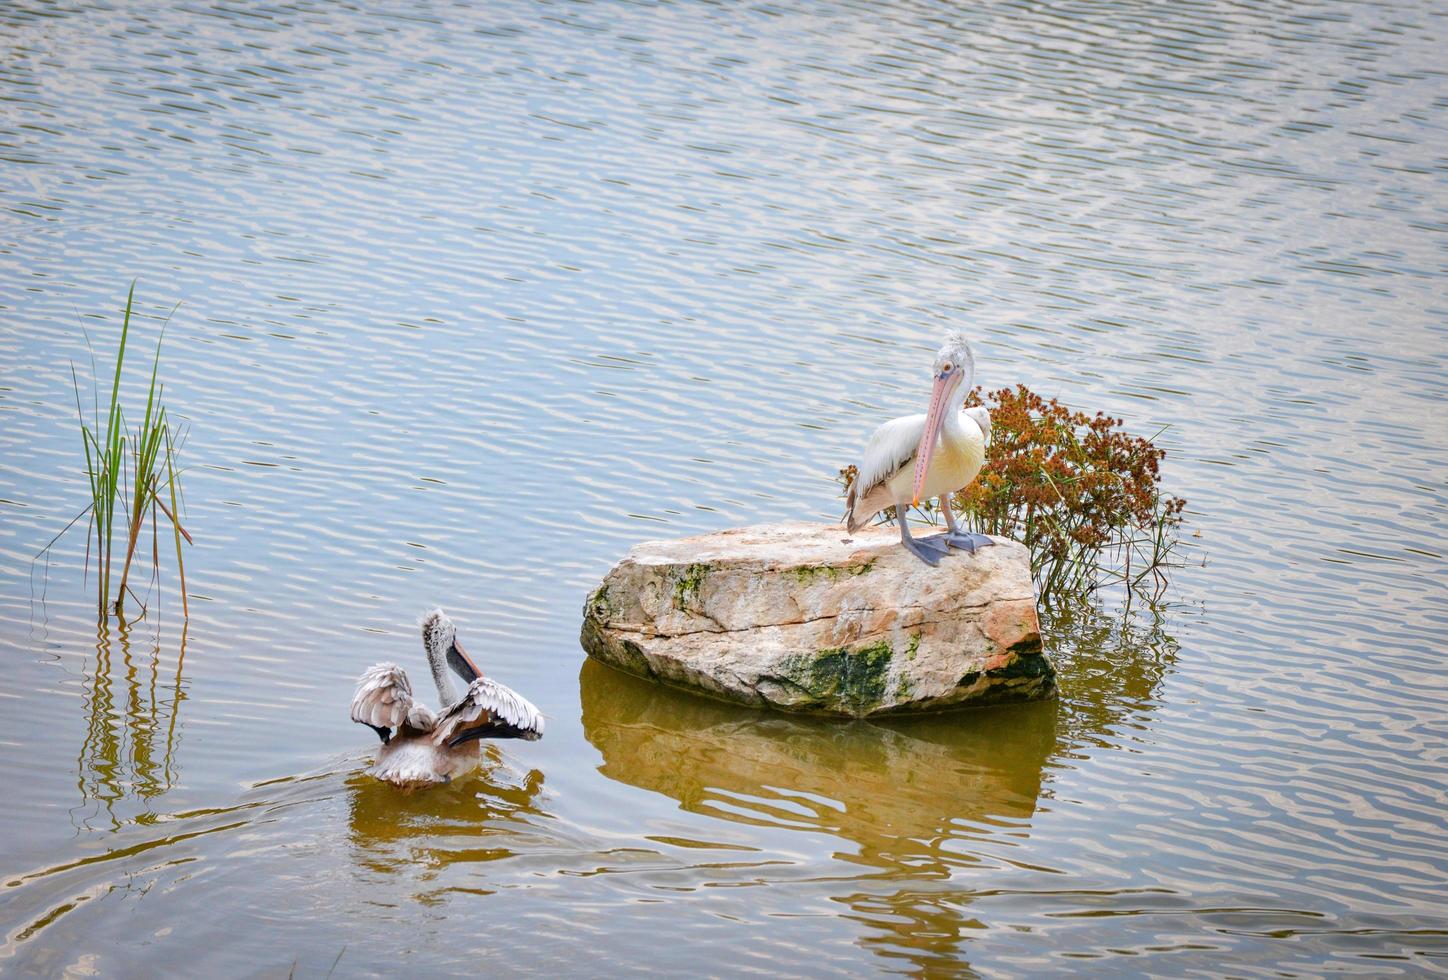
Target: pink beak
(945, 383)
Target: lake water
(474, 296)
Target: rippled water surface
(474, 296)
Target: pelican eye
(947, 367)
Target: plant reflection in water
(133, 701)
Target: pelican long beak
(945, 383)
(459, 661)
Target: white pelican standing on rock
(419, 747)
(921, 456)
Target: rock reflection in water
(904, 798)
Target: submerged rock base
(807, 617)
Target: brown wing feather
(489, 709)
(383, 698)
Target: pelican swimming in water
(420, 747)
(921, 456)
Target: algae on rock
(806, 617)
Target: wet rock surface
(807, 617)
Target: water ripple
(473, 298)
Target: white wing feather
(383, 698)
(487, 700)
(980, 415)
(892, 446)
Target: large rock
(807, 617)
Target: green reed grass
(132, 475)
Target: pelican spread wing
(489, 710)
(383, 703)
(421, 747)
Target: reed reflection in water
(133, 701)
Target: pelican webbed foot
(963, 540)
(921, 548)
(924, 550)
(954, 537)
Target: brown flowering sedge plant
(1078, 490)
